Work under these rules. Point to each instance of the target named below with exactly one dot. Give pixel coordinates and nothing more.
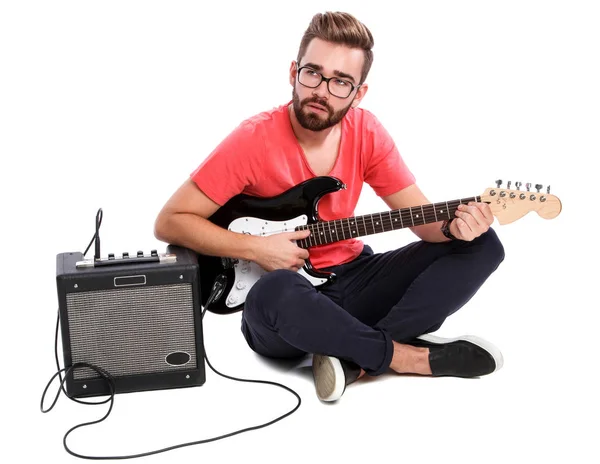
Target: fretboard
(324, 232)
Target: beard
(314, 121)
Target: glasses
(337, 87)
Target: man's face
(315, 108)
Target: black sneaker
(465, 356)
(332, 375)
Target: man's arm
(471, 221)
(183, 221)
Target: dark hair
(340, 28)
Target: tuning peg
(538, 187)
(498, 183)
(528, 186)
(548, 190)
(518, 184)
(508, 185)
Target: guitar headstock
(509, 205)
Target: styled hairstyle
(340, 28)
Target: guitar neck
(325, 232)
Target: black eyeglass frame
(326, 79)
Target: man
(375, 316)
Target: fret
(411, 216)
(315, 233)
(447, 210)
(330, 233)
(322, 234)
(428, 213)
(391, 220)
(422, 214)
(319, 234)
(383, 229)
(401, 221)
(309, 238)
(371, 216)
(435, 213)
(342, 227)
(404, 216)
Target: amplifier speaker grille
(129, 331)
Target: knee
(491, 247)
(272, 292)
(277, 284)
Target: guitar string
(386, 223)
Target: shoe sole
(329, 377)
(480, 342)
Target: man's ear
(360, 94)
(293, 73)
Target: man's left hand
(471, 221)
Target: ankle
(409, 359)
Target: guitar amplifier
(138, 318)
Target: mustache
(318, 101)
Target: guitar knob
(240, 285)
(232, 300)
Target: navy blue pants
(377, 298)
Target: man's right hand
(278, 251)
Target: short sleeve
(232, 166)
(385, 170)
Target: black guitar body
(301, 199)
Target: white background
(112, 104)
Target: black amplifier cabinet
(139, 321)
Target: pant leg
(285, 316)
(412, 290)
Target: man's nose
(321, 91)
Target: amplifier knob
(140, 254)
(111, 256)
(125, 254)
(154, 253)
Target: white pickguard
(247, 273)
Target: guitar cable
(217, 290)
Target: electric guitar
(296, 209)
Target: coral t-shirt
(263, 158)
